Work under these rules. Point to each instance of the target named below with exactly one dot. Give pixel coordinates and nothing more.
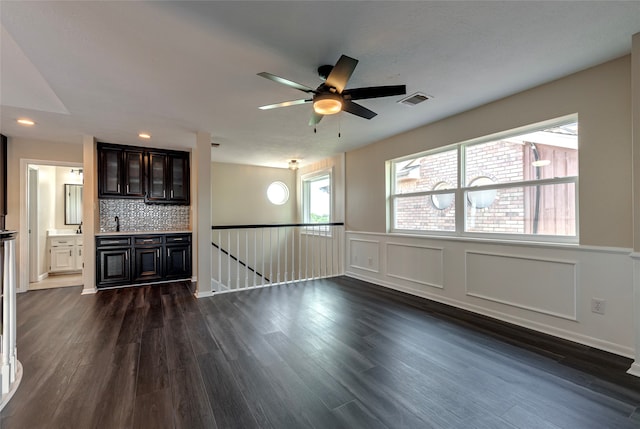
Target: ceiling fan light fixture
(327, 104)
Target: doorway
(54, 239)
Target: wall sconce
(78, 172)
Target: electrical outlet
(370, 261)
(598, 305)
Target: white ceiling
(114, 69)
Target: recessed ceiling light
(144, 136)
(25, 121)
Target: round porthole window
(481, 199)
(442, 201)
(278, 193)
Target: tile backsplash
(136, 216)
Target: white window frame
(305, 180)
(460, 192)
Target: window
(516, 185)
(278, 193)
(316, 196)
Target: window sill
(570, 242)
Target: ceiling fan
(331, 96)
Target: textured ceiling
(113, 69)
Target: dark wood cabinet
(168, 177)
(113, 261)
(133, 173)
(147, 251)
(126, 260)
(109, 172)
(178, 256)
(114, 266)
(178, 168)
(157, 177)
(120, 172)
(160, 177)
(148, 263)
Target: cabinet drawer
(62, 241)
(171, 239)
(146, 240)
(113, 241)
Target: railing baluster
(300, 253)
(246, 258)
(286, 256)
(229, 260)
(318, 255)
(306, 253)
(278, 249)
(237, 232)
(333, 249)
(219, 259)
(270, 255)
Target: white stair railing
(251, 256)
(10, 367)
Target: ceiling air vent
(414, 99)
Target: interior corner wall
(601, 98)
(239, 193)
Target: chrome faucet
(117, 219)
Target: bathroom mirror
(72, 204)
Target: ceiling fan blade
(315, 118)
(374, 92)
(284, 81)
(358, 110)
(285, 104)
(341, 73)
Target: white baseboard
(540, 327)
(204, 294)
(89, 291)
(14, 386)
(635, 369)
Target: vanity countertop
(108, 234)
(62, 233)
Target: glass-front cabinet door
(110, 165)
(134, 173)
(157, 176)
(179, 183)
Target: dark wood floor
(324, 354)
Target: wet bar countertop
(112, 233)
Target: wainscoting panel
(364, 254)
(417, 264)
(544, 286)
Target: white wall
(46, 208)
(601, 98)
(239, 195)
(546, 288)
